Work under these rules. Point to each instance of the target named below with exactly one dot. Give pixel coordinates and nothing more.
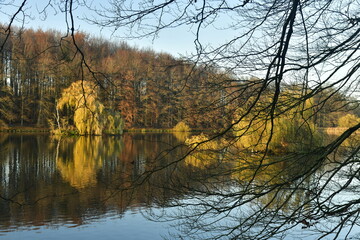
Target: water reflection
(211, 192)
(270, 196)
(80, 165)
(47, 180)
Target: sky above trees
(301, 59)
(38, 14)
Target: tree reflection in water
(265, 197)
(80, 168)
(209, 192)
(71, 180)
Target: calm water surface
(55, 188)
(129, 187)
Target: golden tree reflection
(76, 176)
(80, 165)
(281, 182)
(205, 152)
(181, 136)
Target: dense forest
(264, 115)
(152, 90)
(149, 89)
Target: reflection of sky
(92, 221)
(131, 226)
(6, 173)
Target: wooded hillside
(151, 90)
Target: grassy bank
(148, 130)
(25, 129)
(22, 129)
(161, 130)
(28, 129)
(336, 131)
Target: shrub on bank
(181, 127)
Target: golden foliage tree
(348, 120)
(82, 109)
(291, 130)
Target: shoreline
(29, 129)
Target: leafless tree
(311, 45)
(294, 51)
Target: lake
(59, 188)
(145, 186)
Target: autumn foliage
(143, 88)
(82, 109)
(148, 89)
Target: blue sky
(179, 41)
(176, 41)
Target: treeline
(151, 90)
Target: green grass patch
(148, 130)
(19, 129)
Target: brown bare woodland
(301, 62)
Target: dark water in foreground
(78, 187)
(129, 187)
